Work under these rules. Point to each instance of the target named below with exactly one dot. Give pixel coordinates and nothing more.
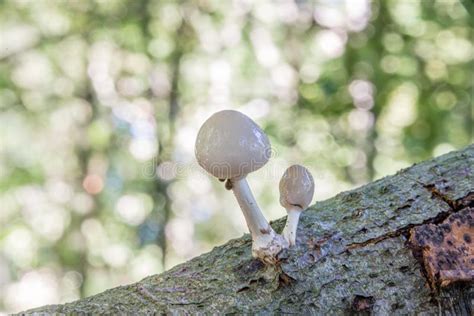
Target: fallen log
(402, 244)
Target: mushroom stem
(256, 222)
(289, 232)
(266, 244)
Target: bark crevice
(454, 206)
(351, 248)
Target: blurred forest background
(100, 103)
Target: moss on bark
(351, 256)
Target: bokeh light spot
(93, 184)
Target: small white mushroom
(296, 193)
(229, 146)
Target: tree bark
(363, 251)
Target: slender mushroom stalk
(289, 232)
(256, 222)
(266, 244)
(229, 146)
(296, 193)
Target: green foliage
(100, 102)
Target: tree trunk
(398, 245)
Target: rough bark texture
(353, 255)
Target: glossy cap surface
(231, 145)
(296, 187)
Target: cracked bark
(352, 256)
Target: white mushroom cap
(296, 188)
(230, 145)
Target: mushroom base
(267, 247)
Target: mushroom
(229, 146)
(296, 193)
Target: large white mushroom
(229, 146)
(296, 193)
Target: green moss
(347, 246)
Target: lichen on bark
(352, 253)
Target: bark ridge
(353, 255)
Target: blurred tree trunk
(159, 187)
(363, 251)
